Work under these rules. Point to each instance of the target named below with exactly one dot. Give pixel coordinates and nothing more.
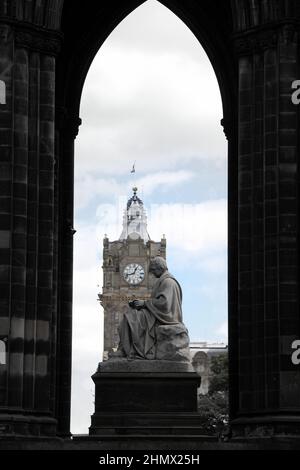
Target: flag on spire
(133, 168)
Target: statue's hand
(138, 304)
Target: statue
(153, 329)
(148, 386)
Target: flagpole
(133, 174)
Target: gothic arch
(46, 48)
(73, 73)
(82, 45)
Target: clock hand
(130, 274)
(133, 272)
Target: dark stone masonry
(45, 52)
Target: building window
(2, 92)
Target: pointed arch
(85, 29)
(210, 31)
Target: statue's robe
(137, 329)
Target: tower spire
(135, 219)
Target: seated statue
(153, 329)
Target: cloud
(153, 20)
(89, 186)
(193, 228)
(157, 104)
(87, 247)
(87, 335)
(222, 331)
(84, 363)
(163, 180)
(200, 227)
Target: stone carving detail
(41, 42)
(247, 44)
(288, 34)
(247, 14)
(258, 41)
(5, 34)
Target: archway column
(268, 383)
(67, 126)
(28, 310)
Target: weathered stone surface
(127, 365)
(145, 397)
(172, 343)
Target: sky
(150, 98)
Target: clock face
(133, 273)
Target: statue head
(158, 266)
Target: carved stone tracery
(249, 43)
(30, 37)
(258, 40)
(33, 40)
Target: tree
(213, 407)
(219, 378)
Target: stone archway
(93, 38)
(46, 49)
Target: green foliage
(213, 410)
(219, 370)
(213, 407)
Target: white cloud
(163, 180)
(89, 186)
(200, 228)
(153, 20)
(191, 229)
(87, 247)
(87, 335)
(87, 323)
(222, 331)
(151, 95)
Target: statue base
(143, 397)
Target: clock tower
(125, 269)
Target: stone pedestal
(145, 398)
